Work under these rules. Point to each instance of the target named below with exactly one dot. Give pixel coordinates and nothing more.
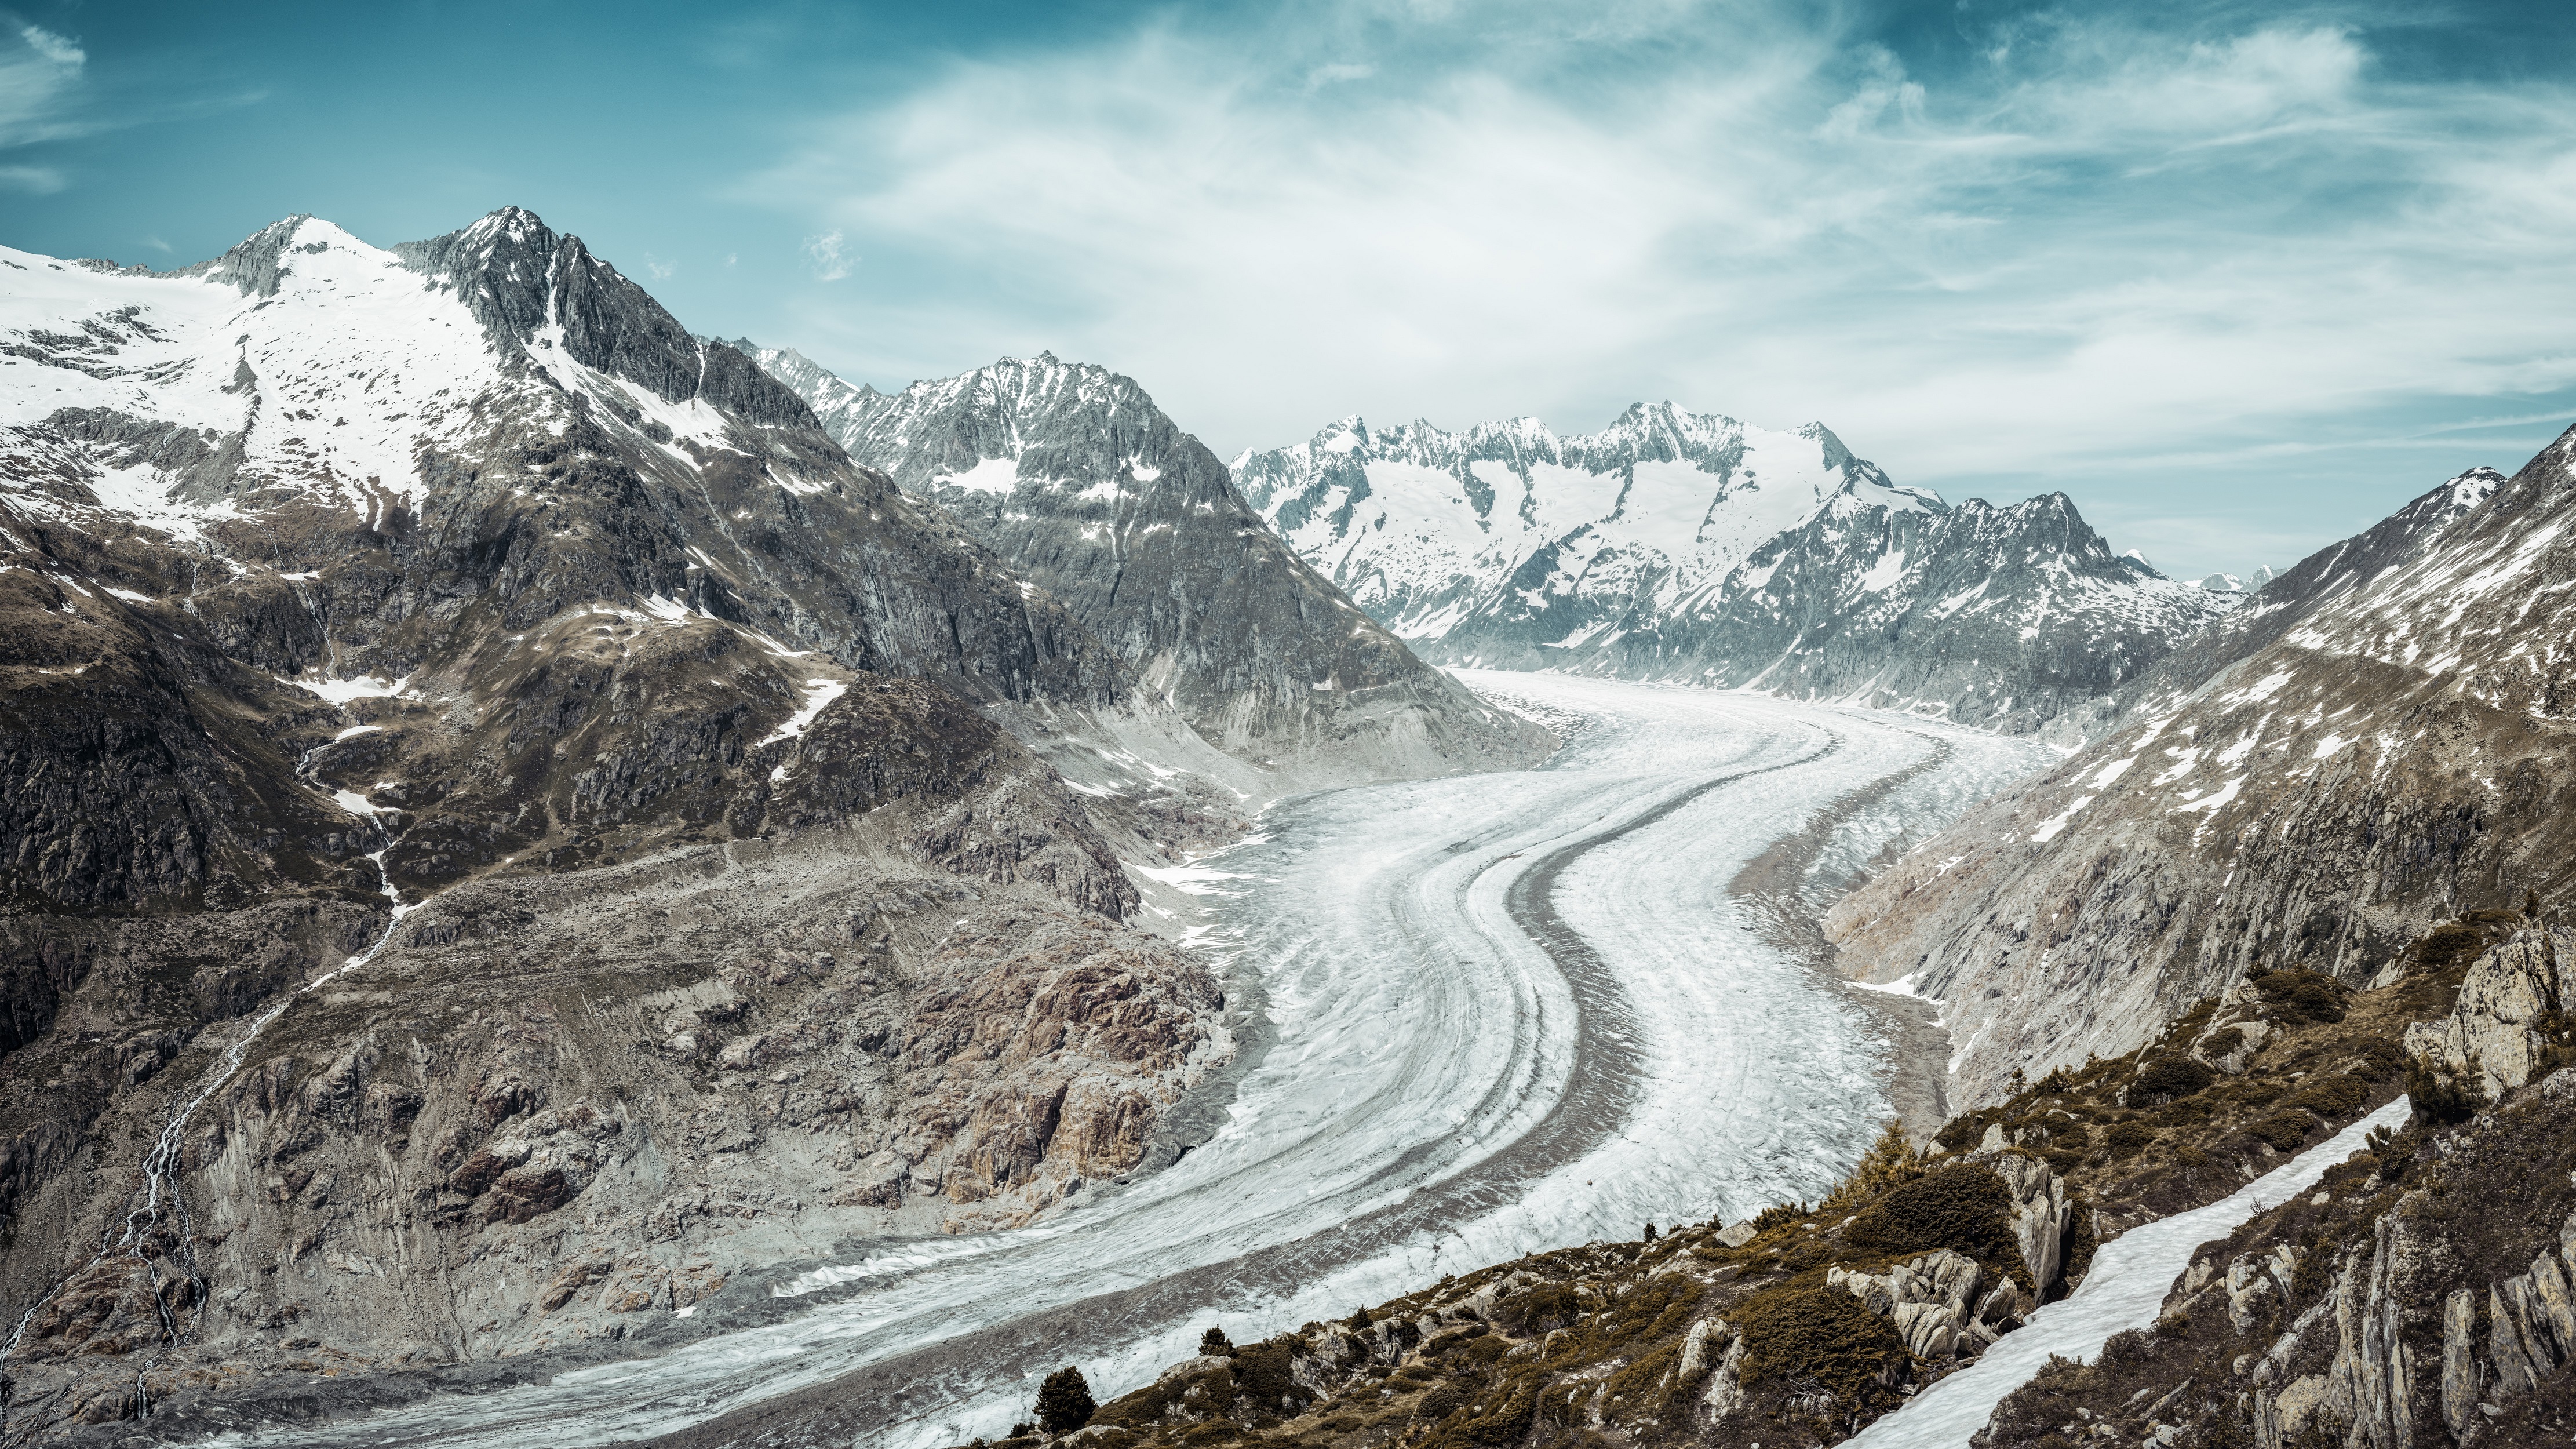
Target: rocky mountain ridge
(1071, 473)
(1693, 547)
(2375, 741)
(446, 620)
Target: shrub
(1549, 1305)
(1441, 1402)
(1965, 1208)
(1510, 1411)
(2283, 1130)
(2380, 1060)
(2169, 1077)
(2447, 945)
(2128, 1139)
(2304, 995)
(2224, 1040)
(1823, 1334)
(2127, 1350)
(1213, 1342)
(1890, 1162)
(2442, 1097)
(1261, 1375)
(2331, 1097)
(1778, 1215)
(1064, 1401)
(1962, 1134)
(2174, 1325)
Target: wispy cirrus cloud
(2095, 245)
(40, 74)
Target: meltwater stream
(1510, 1012)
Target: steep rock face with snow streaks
(1071, 473)
(2379, 739)
(461, 575)
(1692, 547)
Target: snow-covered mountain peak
(2474, 487)
(1674, 543)
(308, 365)
(1416, 520)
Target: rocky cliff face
(1073, 475)
(461, 576)
(2376, 741)
(2421, 1296)
(1690, 547)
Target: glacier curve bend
(1510, 1012)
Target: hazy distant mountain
(2240, 583)
(1686, 546)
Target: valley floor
(1506, 1012)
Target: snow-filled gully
(1506, 1012)
(2124, 1290)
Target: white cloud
(661, 271)
(35, 180)
(61, 50)
(2102, 251)
(823, 253)
(38, 79)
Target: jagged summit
(1681, 545)
(1071, 471)
(2369, 744)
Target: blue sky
(2240, 278)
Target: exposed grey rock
(2041, 1212)
(2496, 1020)
(2463, 1375)
(1725, 1392)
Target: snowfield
(1506, 1012)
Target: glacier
(1503, 1012)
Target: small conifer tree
(1064, 1401)
(1214, 1341)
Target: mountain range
(749, 842)
(527, 822)
(1695, 548)
(2373, 744)
(1072, 474)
